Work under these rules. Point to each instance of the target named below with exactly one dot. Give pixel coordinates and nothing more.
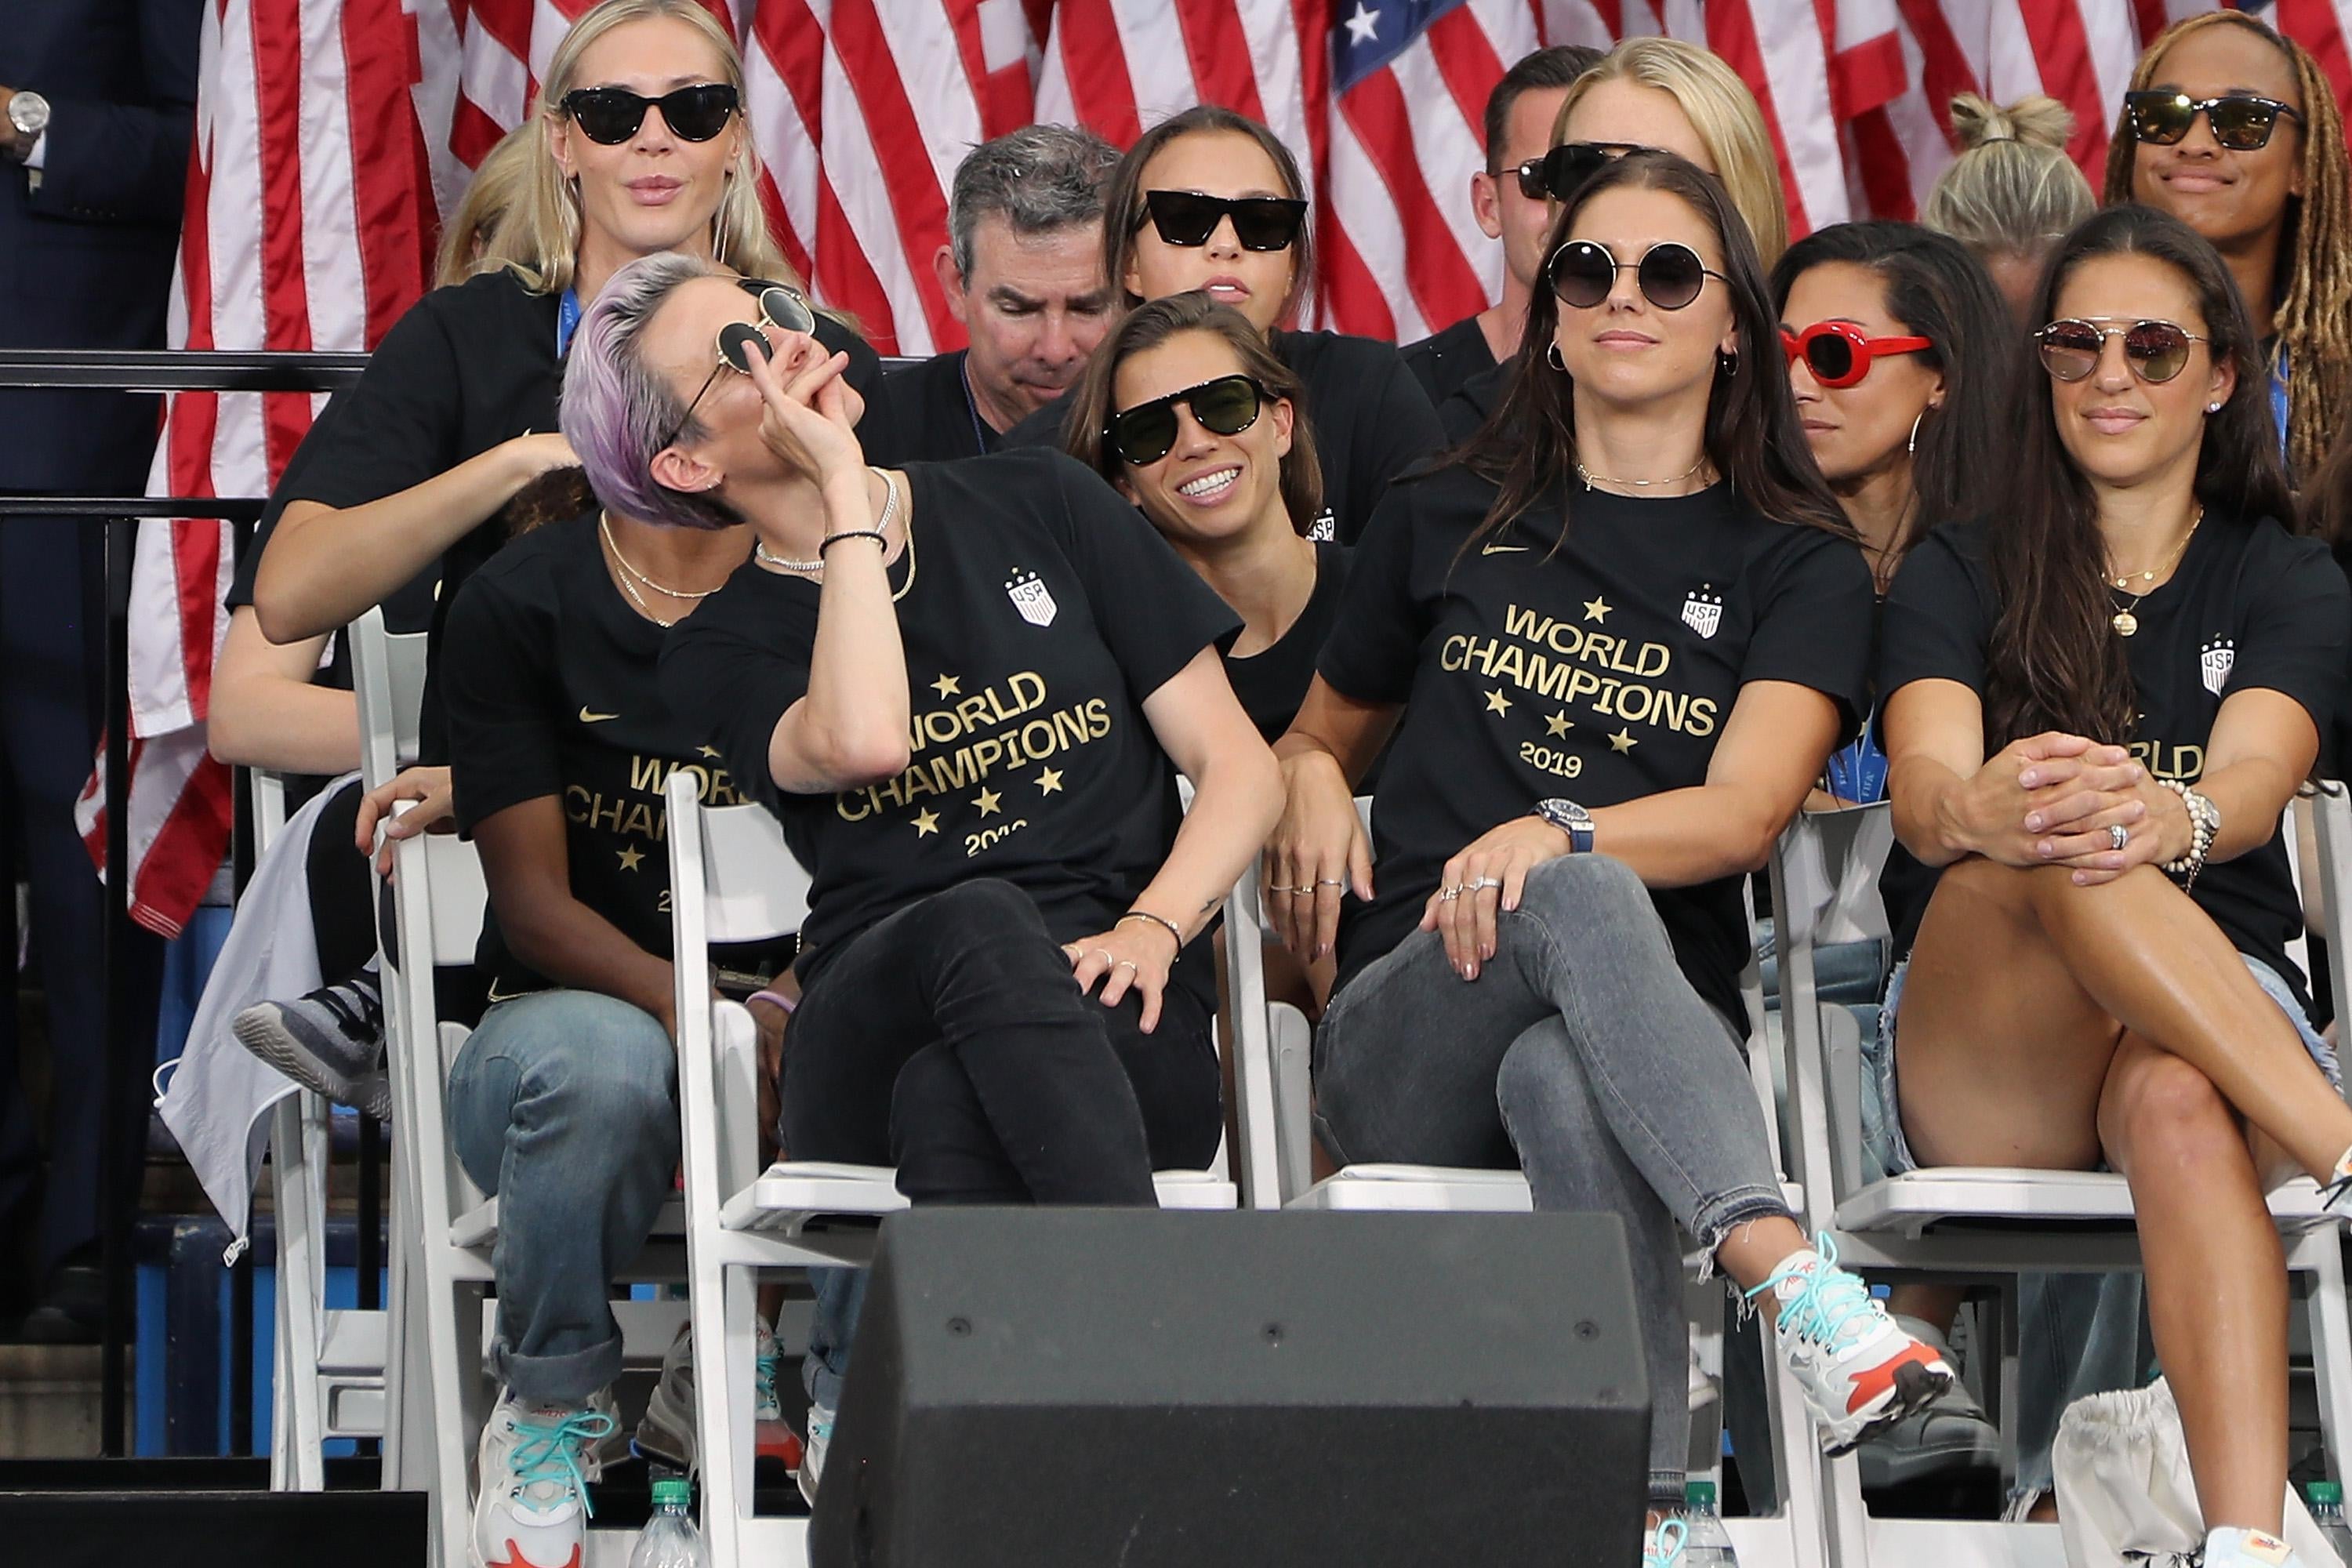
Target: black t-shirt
(1371, 422)
(1446, 359)
(2250, 606)
(1466, 407)
(1042, 611)
(1601, 672)
(931, 411)
(466, 367)
(1273, 681)
(553, 687)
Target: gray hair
(1038, 179)
(618, 413)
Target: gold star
(1049, 781)
(1498, 703)
(1559, 724)
(925, 824)
(630, 857)
(949, 686)
(1596, 610)
(711, 752)
(1623, 741)
(988, 799)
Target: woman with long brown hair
(2097, 702)
(1617, 594)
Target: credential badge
(2214, 661)
(1030, 597)
(1703, 611)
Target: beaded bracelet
(876, 535)
(1162, 921)
(2204, 827)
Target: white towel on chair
(221, 1094)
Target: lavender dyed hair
(618, 412)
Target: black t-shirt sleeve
(1936, 625)
(1401, 430)
(2297, 631)
(397, 427)
(1375, 643)
(502, 699)
(1814, 614)
(1153, 611)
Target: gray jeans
(1582, 1056)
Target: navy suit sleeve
(128, 162)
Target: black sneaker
(331, 1041)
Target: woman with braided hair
(2234, 129)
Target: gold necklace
(2125, 621)
(604, 527)
(1591, 479)
(767, 557)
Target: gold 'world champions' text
(950, 752)
(1607, 675)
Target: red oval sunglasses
(1839, 353)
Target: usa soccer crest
(1325, 528)
(2214, 661)
(1703, 611)
(1030, 597)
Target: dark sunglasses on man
(1560, 173)
(1146, 433)
(609, 116)
(2240, 121)
(1188, 218)
(780, 308)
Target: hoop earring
(1912, 446)
(1551, 356)
(1727, 364)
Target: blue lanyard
(567, 321)
(2278, 397)
(1857, 772)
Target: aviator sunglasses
(2242, 122)
(1188, 218)
(1839, 353)
(1147, 432)
(2157, 351)
(779, 307)
(1559, 173)
(610, 115)
(1671, 275)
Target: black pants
(950, 1041)
(343, 888)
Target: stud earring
(2212, 408)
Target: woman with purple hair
(964, 689)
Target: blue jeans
(564, 1104)
(1581, 1055)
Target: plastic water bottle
(2327, 1512)
(1709, 1545)
(669, 1539)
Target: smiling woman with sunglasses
(1598, 638)
(638, 145)
(1212, 201)
(2234, 131)
(2099, 703)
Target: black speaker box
(1152, 1389)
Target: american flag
(333, 132)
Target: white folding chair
(1274, 1045)
(732, 879)
(1977, 1221)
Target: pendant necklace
(2125, 621)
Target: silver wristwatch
(1571, 819)
(28, 112)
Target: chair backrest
(388, 678)
(2331, 822)
(266, 791)
(753, 888)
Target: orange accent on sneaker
(515, 1559)
(1869, 1385)
(2266, 1548)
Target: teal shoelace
(763, 1378)
(1832, 1301)
(548, 1454)
(1666, 1545)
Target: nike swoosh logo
(588, 718)
(1502, 549)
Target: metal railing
(128, 1057)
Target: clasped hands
(2055, 799)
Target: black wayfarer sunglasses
(2242, 122)
(1188, 218)
(1146, 433)
(1559, 173)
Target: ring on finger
(1107, 955)
(1129, 964)
(1482, 884)
(1449, 894)
(1279, 888)
(1329, 882)
(2118, 835)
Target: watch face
(30, 112)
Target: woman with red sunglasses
(2097, 703)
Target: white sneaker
(535, 1464)
(669, 1434)
(1859, 1369)
(1663, 1547)
(1700, 1390)
(2229, 1547)
(820, 1436)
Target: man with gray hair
(1022, 271)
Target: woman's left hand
(2161, 833)
(1134, 955)
(1486, 879)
